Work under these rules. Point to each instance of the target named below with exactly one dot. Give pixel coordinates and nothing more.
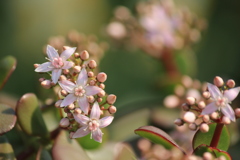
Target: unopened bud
(77, 111)
(112, 109)
(171, 101)
(64, 122)
(204, 127)
(187, 81)
(237, 112)
(192, 126)
(206, 118)
(92, 82)
(222, 158)
(76, 55)
(218, 81)
(206, 94)
(189, 117)
(102, 77)
(64, 92)
(230, 83)
(190, 100)
(65, 71)
(41, 79)
(92, 64)
(111, 99)
(91, 99)
(84, 55)
(58, 103)
(214, 115)
(46, 84)
(102, 86)
(62, 78)
(90, 74)
(226, 120)
(99, 100)
(101, 93)
(36, 65)
(77, 69)
(207, 156)
(179, 122)
(71, 106)
(201, 105)
(69, 115)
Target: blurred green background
(26, 26)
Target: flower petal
(82, 78)
(97, 135)
(105, 121)
(68, 100)
(67, 64)
(228, 112)
(210, 108)
(231, 94)
(67, 86)
(95, 112)
(83, 104)
(67, 53)
(51, 52)
(92, 90)
(56, 73)
(214, 91)
(45, 67)
(81, 119)
(81, 132)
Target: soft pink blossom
(57, 63)
(221, 101)
(79, 91)
(93, 124)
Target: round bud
(111, 99)
(65, 71)
(92, 82)
(206, 94)
(101, 93)
(92, 64)
(102, 77)
(84, 55)
(187, 81)
(214, 115)
(46, 84)
(64, 122)
(179, 122)
(58, 103)
(64, 93)
(218, 81)
(36, 65)
(112, 109)
(192, 126)
(237, 112)
(102, 85)
(207, 156)
(90, 74)
(226, 120)
(99, 100)
(76, 69)
(222, 158)
(71, 106)
(41, 79)
(76, 55)
(189, 117)
(91, 99)
(77, 111)
(204, 127)
(206, 118)
(191, 100)
(62, 78)
(230, 83)
(171, 101)
(201, 105)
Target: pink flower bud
(36, 65)
(69, 115)
(84, 55)
(46, 84)
(99, 100)
(206, 118)
(206, 94)
(102, 77)
(112, 109)
(214, 115)
(41, 79)
(63, 78)
(71, 106)
(91, 99)
(189, 117)
(226, 120)
(90, 74)
(207, 156)
(102, 85)
(65, 71)
(92, 82)
(230, 83)
(64, 122)
(171, 101)
(218, 81)
(111, 99)
(201, 105)
(204, 127)
(192, 126)
(77, 111)
(179, 122)
(190, 100)
(64, 93)
(237, 112)
(101, 93)
(76, 55)
(187, 81)
(92, 64)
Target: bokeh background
(26, 25)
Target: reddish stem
(216, 135)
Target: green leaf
(7, 66)
(206, 138)
(6, 151)
(51, 117)
(43, 154)
(7, 118)
(200, 150)
(157, 136)
(30, 117)
(124, 151)
(66, 148)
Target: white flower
(93, 124)
(221, 101)
(79, 91)
(57, 63)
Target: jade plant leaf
(7, 66)
(124, 151)
(205, 138)
(66, 148)
(43, 154)
(158, 136)
(30, 117)
(6, 150)
(7, 118)
(200, 150)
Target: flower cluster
(159, 25)
(81, 93)
(214, 109)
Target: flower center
(57, 62)
(221, 101)
(93, 125)
(79, 91)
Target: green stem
(216, 135)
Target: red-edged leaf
(200, 150)
(7, 118)
(157, 136)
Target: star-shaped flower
(79, 91)
(57, 63)
(221, 101)
(93, 124)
